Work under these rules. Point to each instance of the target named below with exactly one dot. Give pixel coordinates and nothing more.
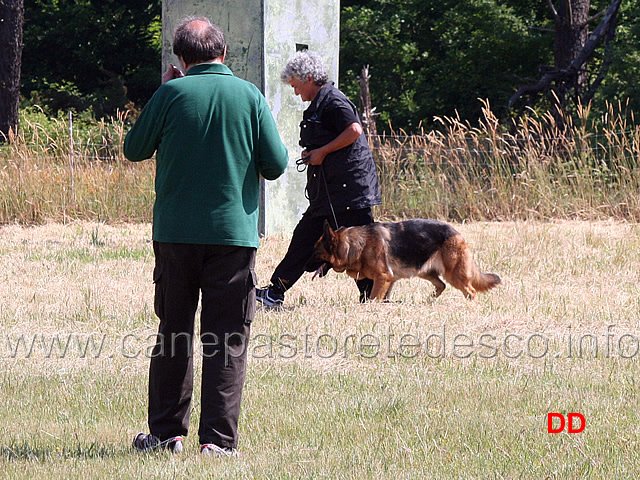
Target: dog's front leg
(380, 287)
(388, 292)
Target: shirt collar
(322, 94)
(215, 68)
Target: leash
(301, 166)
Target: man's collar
(204, 68)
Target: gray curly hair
(303, 65)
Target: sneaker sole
(269, 303)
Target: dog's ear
(327, 231)
(328, 237)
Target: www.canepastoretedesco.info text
(442, 343)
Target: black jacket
(350, 173)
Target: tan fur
(363, 252)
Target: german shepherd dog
(387, 252)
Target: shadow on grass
(30, 451)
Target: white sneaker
(210, 449)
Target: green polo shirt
(214, 136)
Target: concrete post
(261, 36)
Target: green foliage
(432, 58)
(428, 58)
(621, 85)
(435, 57)
(51, 132)
(97, 54)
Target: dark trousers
(305, 235)
(225, 276)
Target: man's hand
(171, 73)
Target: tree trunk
(574, 48)
(11, 20)
(571, 32)
(367, 115)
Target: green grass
(335, 389)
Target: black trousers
(225, 276)
(305, 235)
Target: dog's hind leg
(435, 279)
(461, 280)
(458, 266)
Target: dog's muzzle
(319, 268)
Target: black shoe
(270, 296)
(145, 442)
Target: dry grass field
(416, 388)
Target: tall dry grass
(48, 174)
(537, 170)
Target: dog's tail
(484, 281)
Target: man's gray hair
(303, 65)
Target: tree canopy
(432, 58)
(437, 57)
(426, 58)
(98, 54)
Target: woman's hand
(346, 138)
(314, 157)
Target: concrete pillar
(261, 36)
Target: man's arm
(272, 155)
(143, 139)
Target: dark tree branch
(556, 15)
(542, 29)
(569, 74)
(595, 17)
(367, 115)
(606, 63)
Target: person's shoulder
(240, 83)
(334, 92)
(172, 86)
(335, 97)
(249, 90)
(165, 92)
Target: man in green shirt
(214, 136)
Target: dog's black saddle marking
(415, 241)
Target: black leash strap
(301, 166)
(326, 187)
